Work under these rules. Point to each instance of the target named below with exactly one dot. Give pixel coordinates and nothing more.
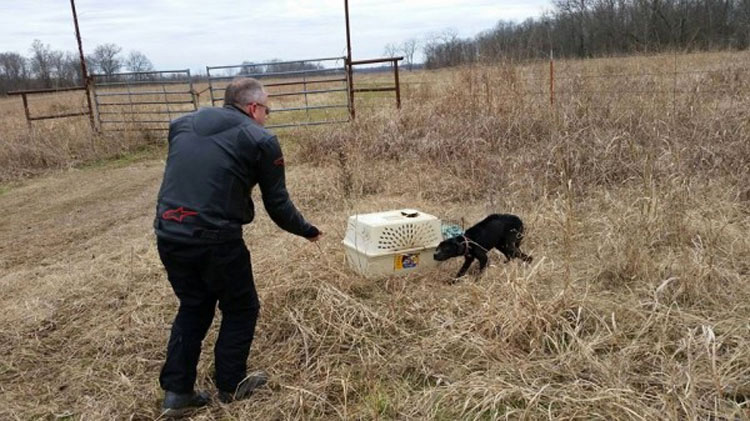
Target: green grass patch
(379, 403)
(8, 186)
(123, 159)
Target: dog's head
(452, 247)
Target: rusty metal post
(98, 109)
(304, 88)
(210, 86)
(193, 94)
(84, 72)
(350, 72)
(348, 36)
(674, 89)
(26, 110)
(551, 78)
(398, 86)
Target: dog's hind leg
(469, 260)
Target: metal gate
(142, 100)
(305, 92)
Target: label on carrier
(405, 261)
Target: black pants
(201, 276)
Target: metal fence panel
(306, 92)
(25, 94)
(142, 100)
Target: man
(216, 156)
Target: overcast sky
(179, 34)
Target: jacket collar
(234, 107)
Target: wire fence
(318, 93)
(662, 79)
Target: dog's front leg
(508, 250)
(525, 257)
(517, 253)
(469, 260)
(482, 257)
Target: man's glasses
(268, 109)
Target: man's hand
(316, 238)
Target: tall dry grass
(636, 199)
(59, 143)
(636, 208)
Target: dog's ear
(448, 248)
(458, 246)
(442, 247)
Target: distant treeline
(277, 66)
(48, 68)
(594, 28)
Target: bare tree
(13, 72)
(138, 62)
(447, 35)
(447, 49)
(390, 50)
(40, 62)
(70, 69)
(589, 28)
(64, 68)
(277, 66)
(105, 59)
(250, 68)
(409, 48)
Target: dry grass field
(636, 196)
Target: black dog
(501, 231)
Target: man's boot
(178, 404)
(246, 388)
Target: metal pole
(350, 72)
(26, 109)
(210, 86)
(398, 87)
(84, 72)
(98, 114)
(304, 88)
(195, 96)
(674, 89)
(348, 36)
(166, 101)
(551, 78)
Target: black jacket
(216, 156)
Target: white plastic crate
(393, 242)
